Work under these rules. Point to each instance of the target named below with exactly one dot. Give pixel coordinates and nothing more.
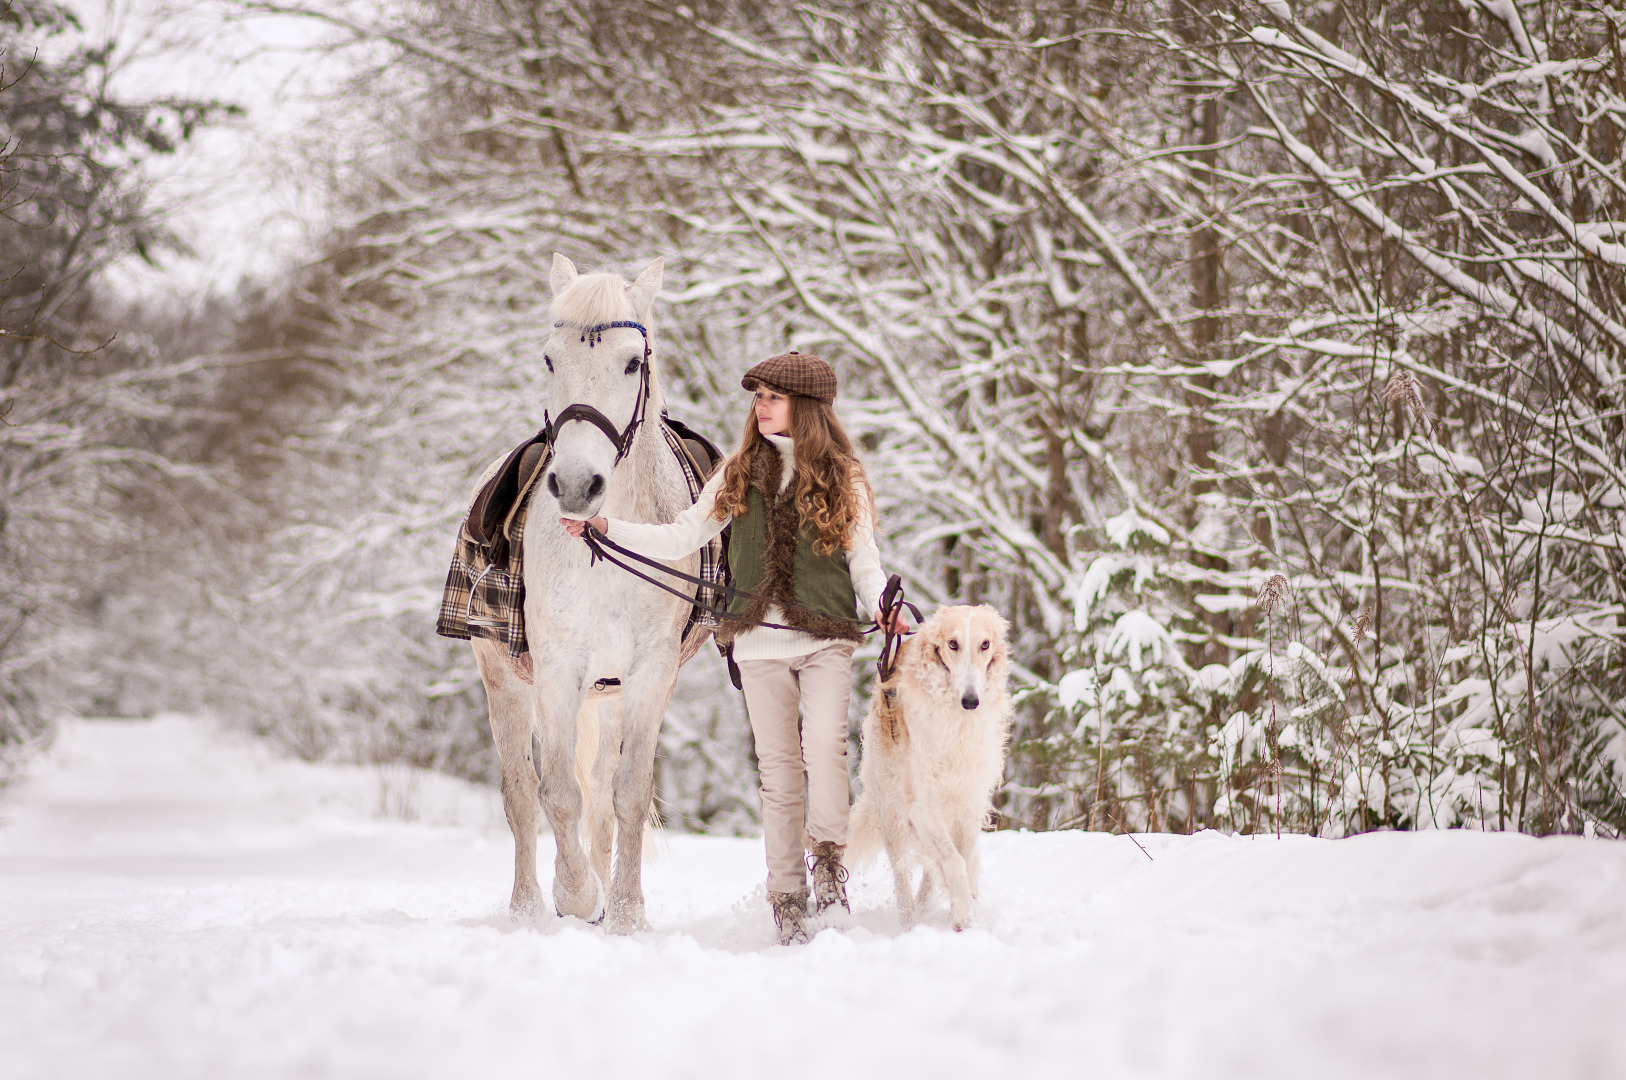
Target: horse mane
(593, 299)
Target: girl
(804, 542)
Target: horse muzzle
(579, 487)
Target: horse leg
(634, 792)
(577, 890)
(509, 704)
(598, 751)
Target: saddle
(485, 590)
(495, 502)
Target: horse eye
(985, 646)
(632, 365)
(548, 360)
(954, 646)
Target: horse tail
(863, 834)
(655, 845)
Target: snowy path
(177, 904)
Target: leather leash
(601, 546)
(892, 601)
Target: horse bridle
(892, 600)
(621, 440)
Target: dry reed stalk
(1274, 593)
(1401, 391)
(1359, 624)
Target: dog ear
(914, 654)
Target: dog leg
(897, 849)
(965, 839)
(951, 865)
(903, 889)
(928, 887)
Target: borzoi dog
(933, 752)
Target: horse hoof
(600, 905)
(525, 904)
(627, 917)
(586, 903)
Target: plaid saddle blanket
(485, 587)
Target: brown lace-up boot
(829, 876)
(789, 912)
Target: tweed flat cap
(794, 373)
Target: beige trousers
(788, 753)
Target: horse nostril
(553, 485)
(596, 488)
(969, 701)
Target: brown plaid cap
(794, 373)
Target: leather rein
(892, 601)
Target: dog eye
(985, 646)
(548, 360)
(954, 646)
(632, 365)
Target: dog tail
(863, 835)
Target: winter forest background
(1261, 362)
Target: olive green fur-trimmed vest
(770, 553)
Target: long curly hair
(830, 480)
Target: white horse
(592, 746)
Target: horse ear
(642, 292)
(564, 272)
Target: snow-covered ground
(178, 903)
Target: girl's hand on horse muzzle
(574, 526)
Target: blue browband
(594, 334)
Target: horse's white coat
(587, 623)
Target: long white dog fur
(933, 753)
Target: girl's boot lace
(789, 913)
(829, 876)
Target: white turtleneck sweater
(696, 525)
